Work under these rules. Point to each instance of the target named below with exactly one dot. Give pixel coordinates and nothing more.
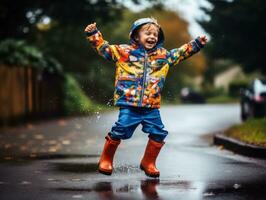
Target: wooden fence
(28, 93)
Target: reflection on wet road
(191, 167)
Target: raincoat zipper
(144, 79)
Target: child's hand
(203, 39)
(90, 27)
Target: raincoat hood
(137, 24)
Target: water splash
(98, 116)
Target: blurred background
(48, 69)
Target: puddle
(163, 189)
(76, 167)
(255, 190)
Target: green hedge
(235, 86)
(75, 100)
(210, 91)
(20, 53)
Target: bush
(210, 91)
(19, 53)
(235, 86)
(75, 100)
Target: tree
(56, 27)
(64, 30)
(238, 32)
(19, 18)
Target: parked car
(253, 100)
(188, 95)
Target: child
(141, 69)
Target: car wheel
(244, 111)
(256, 111)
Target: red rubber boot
(106, 160)
(149, 159)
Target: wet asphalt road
(191, 167)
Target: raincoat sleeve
(179, 54)
(102, 47)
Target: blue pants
(130, 117)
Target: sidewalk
(239, 147)
(68, 137)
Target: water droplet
(76, 179)
(237, 186)
(98, 116)
(78, 196)
(25, 183)
(208, 194)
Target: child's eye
(148, 33)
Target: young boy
(141, 69)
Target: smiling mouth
(151, 42)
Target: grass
(222, 99)
(252, 131)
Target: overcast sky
(187, 9)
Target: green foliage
(209, 91)
(20, 53)
(252, 131)
(19, 18)
(214, 68)
(65, 38)
(235, 86)
(237, 30)
(98, 83)
(75, 100)
(222, 99)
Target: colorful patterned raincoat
(140, 74)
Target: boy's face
(148, 36)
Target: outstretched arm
(103, 48)
(179, 54)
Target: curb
(239, 147)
